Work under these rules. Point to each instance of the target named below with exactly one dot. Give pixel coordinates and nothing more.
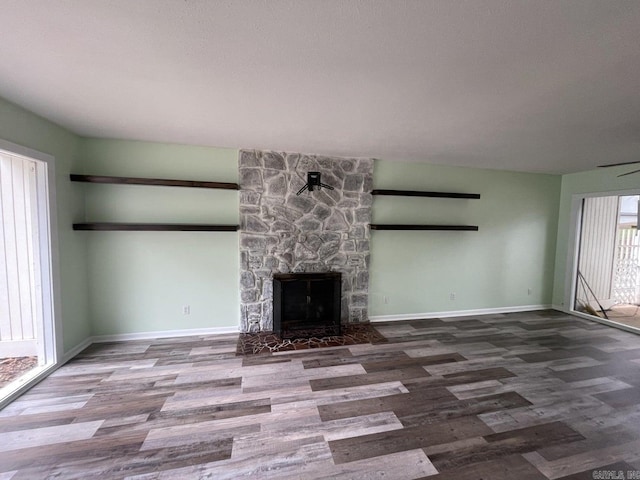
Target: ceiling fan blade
(628, 173)
(618, 164)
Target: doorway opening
(607, 274)
(27, 320)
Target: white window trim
(50, 267)
(575, 226)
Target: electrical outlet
(452, 296)
(529, 291)
(385, 299)
(186, 310)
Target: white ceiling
(541, 86)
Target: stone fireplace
(320, 231)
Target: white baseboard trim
(164, 334)
(144, 336)
(457, 313)
(75, 351)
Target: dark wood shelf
(162, 182)
(155, 227)
(470, 228)
(416, 193)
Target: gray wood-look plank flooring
(529, 395)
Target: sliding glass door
(607, 274)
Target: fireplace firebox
(306, 304)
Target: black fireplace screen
(306, 304)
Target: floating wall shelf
(470, 228)
(416, 193)
(163, 182)
(155, 227)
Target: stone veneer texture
(320, 231)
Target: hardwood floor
(529, 395)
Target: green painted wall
(140, 281)
(131, 282)
(24, 128)
(513, 251)
(592, 181)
